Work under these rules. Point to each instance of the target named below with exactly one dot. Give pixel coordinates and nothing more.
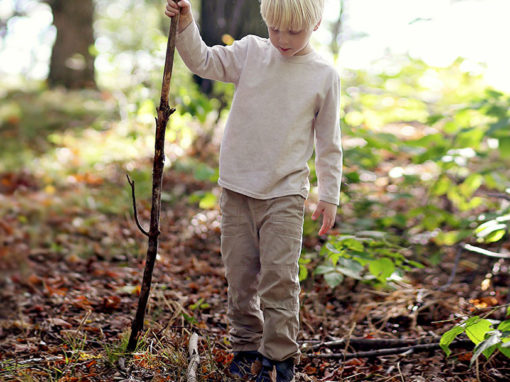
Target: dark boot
(241, 364)
(284, 370)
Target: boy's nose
(283, 38)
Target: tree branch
(194, 360)
(368, 343)
(390, 351)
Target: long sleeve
(220, 63)
(328, 158)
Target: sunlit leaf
(504, 326)
(353, 244)
(477, 328)
(208, 201)
(381, 268)
(504, 147)
(448, 337)
(471, 184)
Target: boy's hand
(182, 6)
(328, 212)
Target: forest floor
(72, 277)
(72, 258)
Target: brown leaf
(60, 322)
(110, 303)
(82, 302)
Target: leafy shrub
(481, 331)
(370, 255)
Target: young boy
(286, 98)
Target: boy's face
(291, 43)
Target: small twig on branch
(194, 358)
(132, 184)
(458, 254)
(390, 351)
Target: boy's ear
(317, 26)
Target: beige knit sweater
(281, 107)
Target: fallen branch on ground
(194, 358)
(391, 350)
(368, 343)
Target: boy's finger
(324, 229)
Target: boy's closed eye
(292, 32)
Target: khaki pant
(261, 244)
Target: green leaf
(470, 137)
(353, 244)
(350, 267)
(322, 269)
(448, 337)
(505, 349)
(190, 319)
(490, 231)
(303, 272)
(487, 346)
(208, 201)
(477, 329)
(504, 147)
(415, 264)
(203, 172)
(442, 186)
(495, 236)
(471, 184)
(504, 326)
(449, 238)
(333, 279)
(381, 268)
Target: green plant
(116, 350)
(481, 331)
(353, 255)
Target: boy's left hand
(328, 212)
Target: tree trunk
(71, 64)
(234, 17)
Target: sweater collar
(292, 59)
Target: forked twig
(132, 184)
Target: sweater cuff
(330, 199)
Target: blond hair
(293, 15)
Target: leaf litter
(70, 284)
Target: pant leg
(240, 253)
(280, 247)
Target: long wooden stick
(164, 112)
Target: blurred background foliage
(427, 148)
